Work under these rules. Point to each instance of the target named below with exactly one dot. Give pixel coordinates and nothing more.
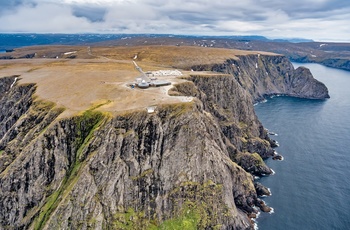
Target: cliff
(333, 62)
(188, 165)
(266, 75)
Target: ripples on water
(311, 187)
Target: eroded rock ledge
(188, 163)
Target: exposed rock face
(277, 158)
(88, 171)
(136, 170)
(14, 103)
(261, 190)
(335, 62)
(263, 207)
(264, 75)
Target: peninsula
(79, 148)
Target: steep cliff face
(14, 101)
(266, 75)
(188, 164)
(91, 170)
(231, 105)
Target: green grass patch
(100, 105)
(258, 160)
(188, 219)
(86, 124)
(130, 220)
(50, 205)
(201, 208)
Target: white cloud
(100, 2)
(239, 26)
(44, 18)
(316, 19)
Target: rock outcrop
(261, 190)
(188, 164)
(266, 75)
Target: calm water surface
(311, 187)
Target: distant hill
(335, 55)
(11, 41)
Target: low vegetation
(196, 207)
(86, 124)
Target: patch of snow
(68, 53)
(14, 82)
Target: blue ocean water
(311, 187)
(12, 41)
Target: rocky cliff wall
(231, 106)
(91, 170)
(187, 165)
(266, 75)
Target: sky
(320, 20)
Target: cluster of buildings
(149, 79)
(163, 73)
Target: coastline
(312, 135)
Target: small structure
(149, 79)
(151, 109)
(143, 84)
(160, 83)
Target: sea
(311, 186)
(10, 41)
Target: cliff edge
(188, 165)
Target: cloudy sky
(326, 20)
